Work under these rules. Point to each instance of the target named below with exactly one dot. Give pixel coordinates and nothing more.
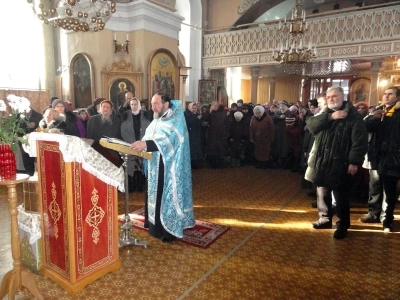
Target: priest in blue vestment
(169, 176)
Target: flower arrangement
(12, 124)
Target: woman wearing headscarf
(262, 134)
(238, 135)
(133, 127)
(74, 124)
(193, 124)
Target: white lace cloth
(75, 149)
(30, 223)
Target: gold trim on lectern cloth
(95, 216)
(54, 209)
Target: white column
(255, 74)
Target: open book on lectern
(123, 147)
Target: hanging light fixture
(76, 15)
(295, 50)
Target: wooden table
(19, 276)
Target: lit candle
(315, 51)
(115, 36)
(127, 36)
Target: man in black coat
(341, 141)
(385, 150)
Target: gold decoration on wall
(121, 71)
(54, 209)
(95, 216)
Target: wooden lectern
(79, 211)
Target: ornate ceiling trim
(357, 34)
(245, 5)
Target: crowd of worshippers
(277, 135)
(266, 136)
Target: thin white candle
(127, 36)
(115, 36)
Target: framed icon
(359, 90)
(207, 91)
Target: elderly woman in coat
(133, 127)
(262, 134)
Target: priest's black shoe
(168, 240)
(340, 234)
(322, 225)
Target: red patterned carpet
(202, 235)
(269, 252)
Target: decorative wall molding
(356, 34)
(376, 48)
(145, 15)
(245, 5)
(168, 4)
(345, 51)
(248, 59)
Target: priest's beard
(158, 115)
(106, 119)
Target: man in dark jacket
(341, 142)
(385, 149)
(33, 118)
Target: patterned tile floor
(270, 251)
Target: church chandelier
(295, 50)
(74, 15)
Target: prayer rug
(202, 235)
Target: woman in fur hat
(52, 122)
(74, 124)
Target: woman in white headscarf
(262, 134)
(133, 127)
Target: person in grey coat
(133, 127)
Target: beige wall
(221, 13)
(246, 91)
(100, 48)
(288, 88)
(263, 91)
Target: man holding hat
(105, 124)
